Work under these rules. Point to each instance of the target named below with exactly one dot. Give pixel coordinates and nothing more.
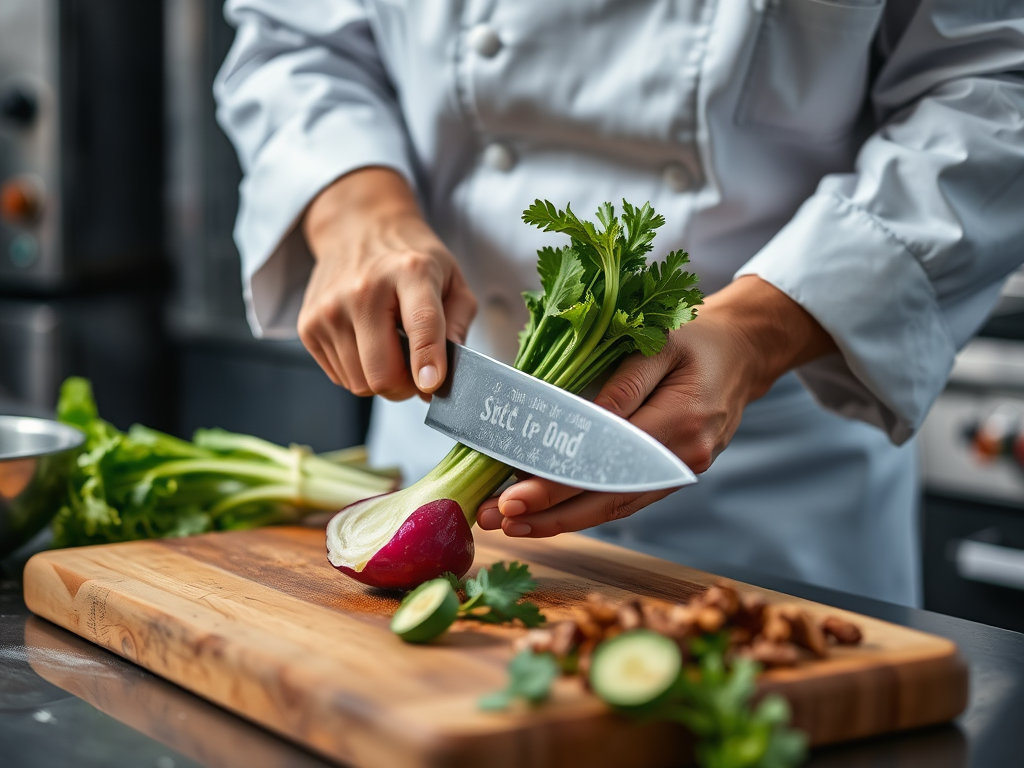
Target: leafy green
(715, 704)
(600, 299)
(147, 484)
(712, 698)
(494, 596)
(531, 676)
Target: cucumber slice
(426, 612)
(635, 668)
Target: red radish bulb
(434, 539)
(402, 539)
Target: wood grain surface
(258, 622)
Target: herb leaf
(531, 676)
(493, 596)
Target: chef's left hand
(690, 396)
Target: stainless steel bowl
(36, 457)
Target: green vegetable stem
(600, 300)
(147, 484)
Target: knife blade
(538, 428)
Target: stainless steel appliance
(972, 451)
(80, 142)
(81, 205)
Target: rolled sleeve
(876, 301)
(305, 100)
(901, 261)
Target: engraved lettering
(559, 439)
(510, 422)
(550, 434)
(486, 415)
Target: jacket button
(499, 157)
(484, 40)
(676, 177)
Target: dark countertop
(65, 702)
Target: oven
(972, 452)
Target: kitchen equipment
(972, 451)
(259, 622)
(113, 339)
(81, 136)
(36, 456)
(536, 427)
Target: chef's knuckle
(361, 291)
(422, 321)
(415, 264)
(362, 389)
(306, 328)
(332, 313)
(702, 454)
(621, 392)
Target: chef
(847, 176)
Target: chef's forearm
(779, 334)
(354, 200)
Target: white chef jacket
(866, 157)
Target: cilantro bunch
(600, 299)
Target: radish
(600, 301)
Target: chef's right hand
(380, 266)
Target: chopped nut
(775, 628)
(740, 636)
(629, 616)
(601, 609)
(751, 613)
(842, 631)
(773, 654)
(805, 632)
(536, 640)
(723, 596)
(588, 627)
(710, 618)
(565, 636)
(681, 620)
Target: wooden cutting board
(259, 623)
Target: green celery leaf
(640, 225)
(667, 293)
(581, 316)
(534, 301)
(649, 341)
(560, 273)
(531, 676)
(76, 405)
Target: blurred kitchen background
(117, 200)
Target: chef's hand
(378, 266)
(690, 396)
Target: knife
(538, 428)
